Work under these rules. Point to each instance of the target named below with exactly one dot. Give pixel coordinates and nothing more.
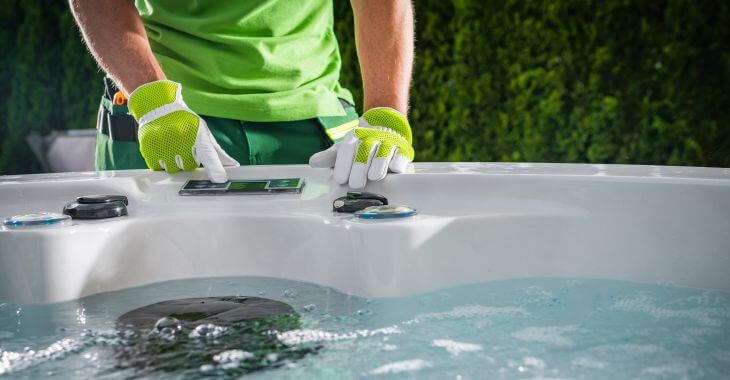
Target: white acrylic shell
(476, 222)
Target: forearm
(115, 35)
(384, 38)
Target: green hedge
(48, 80)
(643, 82)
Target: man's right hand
(380, 143)
(171, 136)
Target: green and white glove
(381, 142)
(171, 136)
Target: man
(260, 79)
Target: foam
(402, 366)
(303, 336)
(547, 334)
(230, 359)
(455, 348)
(647, 304)
(469, 311)
(15, 361)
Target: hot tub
(508, 270)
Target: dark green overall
(250, 143)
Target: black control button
(105, 210)
(358, 200)
(105, 198)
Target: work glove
(381, 142)
(171, 136)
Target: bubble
(168, 322)
(167, 331)
(166, 328)
(127, 334)
(364, 312)
(207, 331)
(310, 308)
(231, 359)
(290, 293)
(81, 316)
(389, 347)
(232, 356)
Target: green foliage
(616, 81)
(640, 82)
(48, 79)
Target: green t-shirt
(253, 60)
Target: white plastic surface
(476, 222)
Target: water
(532, 328)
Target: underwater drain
(213, 335)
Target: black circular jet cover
(185, 335)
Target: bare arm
(384, 37)
(115, 35)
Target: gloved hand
(171, 136)
(380, 142)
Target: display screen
(205, 185)
(286, 183)
(249, 186)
